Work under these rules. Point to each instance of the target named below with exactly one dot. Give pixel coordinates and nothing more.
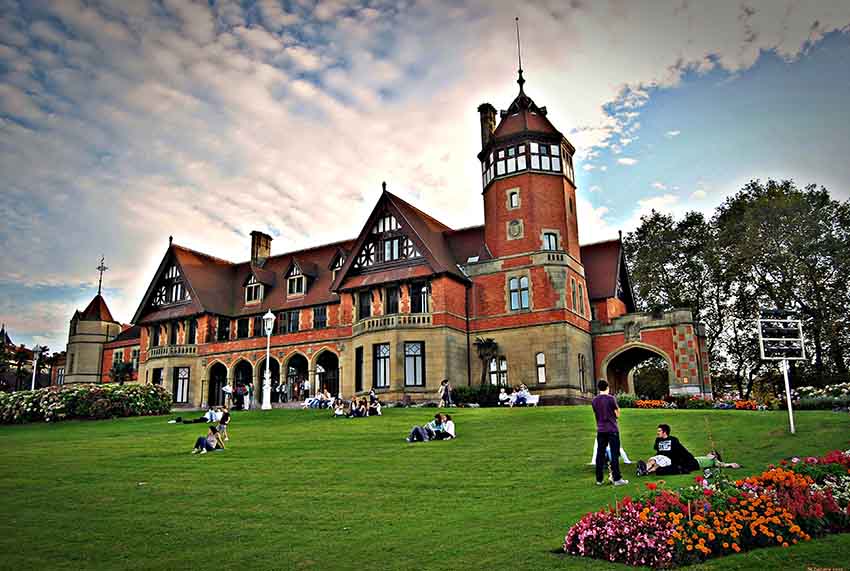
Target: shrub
(484, 395)
(625, 400)
(83, 401)
(699, 403)
(822, 403)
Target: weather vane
(101, 268)
(519, 54)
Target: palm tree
(488, 350)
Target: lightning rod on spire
(521, 81)
(101, 268)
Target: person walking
(606, 411)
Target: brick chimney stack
(488, 122)
(261, 247)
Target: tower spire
(520, 80)
(101, 268)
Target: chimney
(261, 247)
(488, 123)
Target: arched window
(540, 359)
(581, 373)
(518, 292)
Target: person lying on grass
(212, 441)
(670, 456)
(707, 462)
(427, 432)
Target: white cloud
(588, 167)
(628, 161)
(659, 185)
(699, 194)
(595, 188)
(671, 134)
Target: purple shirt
(604, 407)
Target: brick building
(410, 301)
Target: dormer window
(337, 265)
(253, 290)
(171, 289)
(295, 283)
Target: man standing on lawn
(607, 412)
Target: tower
(528, 180)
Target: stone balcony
(399, 320)
(172, 351)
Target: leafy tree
(651, 378)
(21, 358)
(121, 372)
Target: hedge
(84, 401)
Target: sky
(124, 122)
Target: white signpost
(781, 339)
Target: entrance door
(218, 378)
(327, 373)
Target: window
(519, 292)
(385, 223)
(550, 241)
(390, 250)
(181, 384)
(337, 266)
(499, 371)
(320, 317)
(253, 291)
(573, 294)
(154, 336)
(358, 369)
(568, 167)
(242, 328)
(392, 301)
(171, 288)
(223, 329)
(60, 376)
(540, 359)
(292, 321)
(364, 304)
(414, 364)
(581, 373)
(156, 377)
(381, 358)
(581, 299)
(295, 283)
(514, 199)
(419, 298)
(545, 157)
(193, 332)
(134, 355)
(117, 356)
(172, 333)
(259, 326)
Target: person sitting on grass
(212, 441)
(448, 431)
(521, 396)
(670, 456)
(504, 398)
(223, 422)
(339, 409)
(374, 408)
(427, 432)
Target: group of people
(323, 399)
(670, 457)
(518, 396)
(442, 427)
(219, 419)
(357, 407)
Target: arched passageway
(217, 380)
(297, 377)
(619, 368)
(274, 369)
(243, 375)
(327, 373)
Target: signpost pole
(788, 395)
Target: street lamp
(268, 322)
(36, 352)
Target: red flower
(784, 462)
(708, 492)
(733, 500)
(651, 486)
(699, 479)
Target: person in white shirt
(448, 431)
(504, 398)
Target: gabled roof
(523, 115)
(4, 337)
(263, 275)
(129, 333)
(603, 263)
(96, 311)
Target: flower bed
(652, 404)
(786, 504)
(94, 401)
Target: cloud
(671, 134)
(588, 167)
(628, 161)
(699, 194)
(659, 185)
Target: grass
(300, 490)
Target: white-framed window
(253, 290)
(513, 198)
(518, 292)
(181, 384)
(338, 263)
(171, 288)
(385, 223)
(117, 356)
(499, 371)
(550, 241)
(135, 357)
(60, 376)
(545, 156)
(582, 365)
(419, 298)
(414, 364)
(295, 282)
(381, 364)
(540, 360)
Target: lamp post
(268, 322)
(36, 352)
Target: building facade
(408, 302)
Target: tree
(488, 350)
(121, 372)
(21, 358)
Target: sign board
(781, 335)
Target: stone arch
(260, 375)
(296, 376)
(217, 375)
(327, 371)
(242, 373)
(618, 365)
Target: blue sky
(124, 122)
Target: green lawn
(300, 490)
